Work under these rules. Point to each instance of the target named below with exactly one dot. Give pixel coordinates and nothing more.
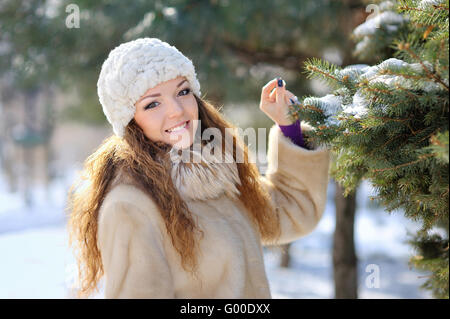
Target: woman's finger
(291, 98)
(272, 96)
(281, 91)
(289, 94)
(267, 89)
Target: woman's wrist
(293, 132)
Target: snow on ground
(47, 208)
(34, 263)
(37, 263)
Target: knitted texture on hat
(134, 67)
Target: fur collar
(204, 178)
(204, 175)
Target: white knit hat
(134, 67)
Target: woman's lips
(186, 126)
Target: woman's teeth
(178, 128)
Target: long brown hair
(136, 155)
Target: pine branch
(421, 158)
(311, 107)
(321, 69)
(317, 70)
(389, 118)
(406, 76)
(405, 46)
(376, 90)
(395, 137)
(437, 7)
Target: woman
(160, 226)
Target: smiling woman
(167, 112)
(160, 227)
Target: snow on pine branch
(384, 20)
(388, 20)
(389, 72)
(399, 67)
(426, 4)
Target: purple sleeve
(294, 132)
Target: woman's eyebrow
(157, 94)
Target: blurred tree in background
(236, 46)
(227, 41)
(388, 123)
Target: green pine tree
(388, 123)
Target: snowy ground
(36, 261)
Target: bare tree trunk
(344, 255)
(285, 256)
(7, 151)
(30, 120)
(47, 129)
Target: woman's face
(167, 112)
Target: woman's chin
(182, 143)
(182, 139)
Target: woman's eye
(150, 106)
(185, 90)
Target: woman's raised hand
(275, 101)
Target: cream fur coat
(140, 261)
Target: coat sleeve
(132, 253)
(296, 180)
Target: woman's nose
(175, 109)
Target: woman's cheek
(194, 108)
(155, 122)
